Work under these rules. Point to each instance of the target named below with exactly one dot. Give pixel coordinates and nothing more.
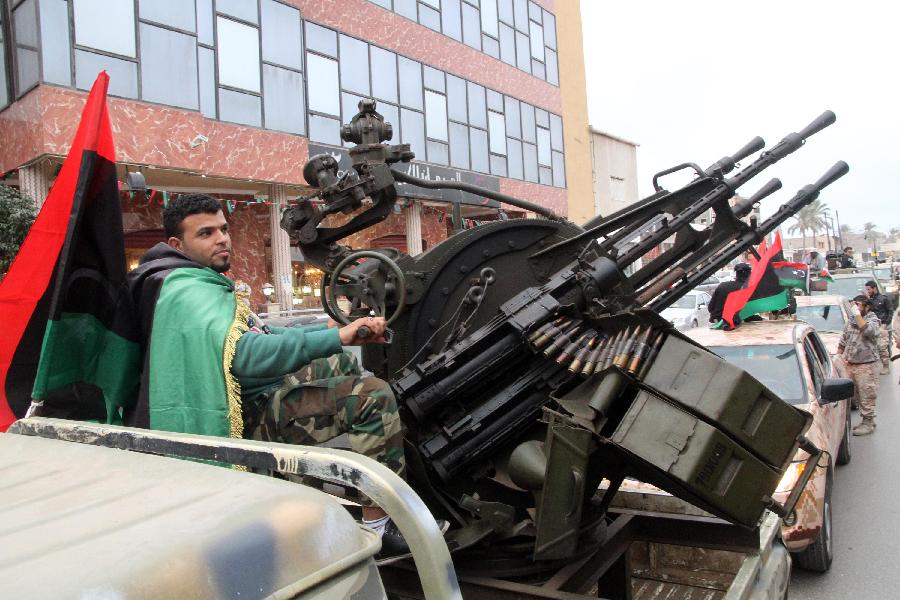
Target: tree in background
(810, 218)
(16, 217)
(846, 229)
(871, 234)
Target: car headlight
(791, 476)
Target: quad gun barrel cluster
(559, 342)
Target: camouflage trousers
(327, 398)
(865, 378)
(884, 346)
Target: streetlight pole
(840, 233)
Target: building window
(324, 95)
(25, 35)
(238, 48)
(436, 115)
(56, 53)
(169, 67)
(106, 25)
(123, 80)
(239, 107)
(384, 69)
(283, 99)
(410, 83)
(517, 32)
(174, 13)
(241, 9)
(282, 35)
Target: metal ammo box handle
(384, 487)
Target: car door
(829, 417)
(703, 308)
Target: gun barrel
(818, 124)
(838, 170)
(743, 208)
(793, 141)
(727, 163)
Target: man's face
(205, 239)
(870, 291)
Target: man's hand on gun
(350, 334)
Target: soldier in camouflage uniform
(881, 306)
(859, 349)
(327, 398)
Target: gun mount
(528, 366)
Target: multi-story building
(231, 97)
(614, 168)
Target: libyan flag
(792, 275)
(71, 342)
(764, 292)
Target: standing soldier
(881, 306)
(859, 348)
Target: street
(866, 514)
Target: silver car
(689, 311)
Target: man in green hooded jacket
(205, 372)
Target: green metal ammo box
(736, 402)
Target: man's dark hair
(185, 206)
(848, 248)
(871, 283)
(742, 271)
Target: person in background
(815, 261)
(881, 306)
(858, 347)
(717, 301)
(846, 257)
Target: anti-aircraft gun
(528, 366)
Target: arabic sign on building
(426, 171)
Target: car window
(823, 318)
(883, 272)
(848, 286)
(814, 364)
(685, 302)
(711, 281)
(821, 353)
(776, 366)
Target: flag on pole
(72, 342)
(792, 275)
(763, 292)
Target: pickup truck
(86, 519)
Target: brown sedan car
(791, 359)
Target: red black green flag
(763, 293)
(71, 339)
(792, 275)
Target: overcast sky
(693, 81)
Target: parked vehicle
(689, 311)
(850, 283)
(92, 522)
(790, 358)
(828, 314)
(710, 284)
